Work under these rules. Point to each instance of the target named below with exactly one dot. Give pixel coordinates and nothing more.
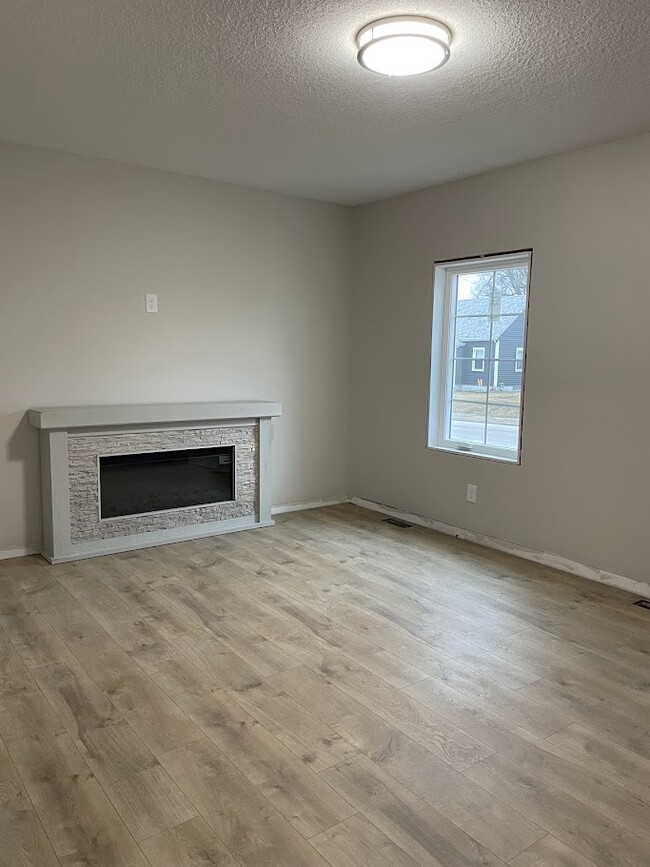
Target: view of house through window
(478, 355)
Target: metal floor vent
(403, 525)
(643, 603)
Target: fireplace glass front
(158, 481)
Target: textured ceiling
(268, 93)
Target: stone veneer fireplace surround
(74, 438)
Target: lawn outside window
(478, 357)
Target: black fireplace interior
(157, 481)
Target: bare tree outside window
(505, 282)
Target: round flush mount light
(403, 45)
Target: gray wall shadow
(23, 446)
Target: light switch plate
(151, 302)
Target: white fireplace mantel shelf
(69, 417)
(76, 439)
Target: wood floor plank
(223, 666)
(261, 654)
(191, 844)
(77, 700)
(296, 791)
(414, 826)
(605, 639)
(313, 650)
(175, 673)
(627, 768)
(78, 817)
(628, 729)
(549, 852)
(128, 630)
(27, 714)
(491, 823)
(151, 712)
(229, 669)
(34, 639)
(24, 842)
(317, 693)
(15, 677)
(114, 751)
(28, 574)
(428, 606)
(247, 823)
(314, 742)
(555, 657)
(601, 793)
(587, 832)
(147, 603)
(469, 714)
(193, 636)
(12, 602)
(441, 737)
(278, 556)
(217, 789)
(146, 799)
(147, 566)
(297, 627)
(432, 659)
(511, 704)
(276, 842)
(356, 842)
(357, 619)
(148, 802)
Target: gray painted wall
(253, 292)
(583, 490)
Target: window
(478, 359)
(480, 309)
(519, 359)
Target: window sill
(515, 460)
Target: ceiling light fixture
(403, 45)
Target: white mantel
(60, 417)
(73, 437)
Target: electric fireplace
(135, 484)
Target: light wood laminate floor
(329, 691)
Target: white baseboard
(18, 552)
(543, 557)
(311, 504)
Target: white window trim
(519, 359)
(478, 358)
(442, 354)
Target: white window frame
(442, 353)
(476, 358)
(519, 359)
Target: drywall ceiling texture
(253, 293)
(270, 94)
(582, 489)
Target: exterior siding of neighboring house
(474, 367)
(465, 373)
(512, 339)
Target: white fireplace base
(73, 438)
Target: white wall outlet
(151, 302)
(472, 491)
